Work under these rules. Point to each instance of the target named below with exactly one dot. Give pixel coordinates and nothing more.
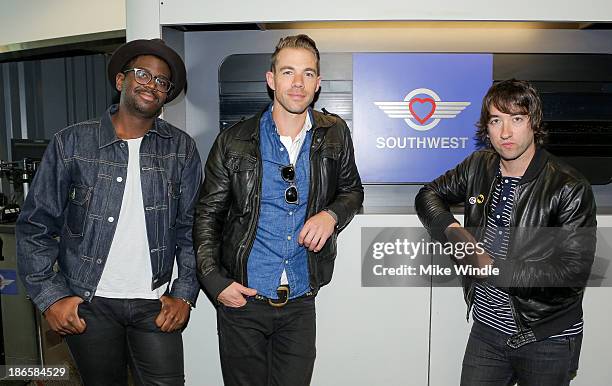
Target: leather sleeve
(433, 201)
(349, 191)
(210, 214)
(573, 240)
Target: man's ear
(119, 79)
(270, 80)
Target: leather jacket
(544, 278)
(227, 210)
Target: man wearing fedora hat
(112, 205)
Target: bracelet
(188, 302)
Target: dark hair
(295, 41)
(512, 97)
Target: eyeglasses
(143, 77)
(291, 193)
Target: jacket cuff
(439, 225)
(188, 292)
(333, 214)
(343, 215)
(214, 283)
(46, 298)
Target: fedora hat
(156, 47)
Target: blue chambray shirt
(276, 245)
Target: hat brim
(156, 47)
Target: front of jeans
(489, 361)
(122, 332)
(261, 345)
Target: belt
(283, 292)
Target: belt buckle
(283, 297)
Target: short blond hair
(295, 41)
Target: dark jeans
(122, 332)
(489, 361)
(261, 345)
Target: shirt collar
(107, 134)
(307, 122)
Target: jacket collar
(108, 136)
(536, 165)
(250, 129)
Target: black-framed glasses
(143, 77)
(291, 193)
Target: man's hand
(316, 231)
(63, 316)
(455, 233)
(233, 295)
(173, 315)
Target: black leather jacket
(545, 283)
(228, 207)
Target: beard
(143, 110)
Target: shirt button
(506, 181)
(99, 261)
(122, 144)
(500, 232)
(288, 237)
(282, 149)
(504, 198)
(111, 219)
(290, 213)
(286, 261)
(497, 216)
(119, 179)
(87, 293)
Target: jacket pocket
(174, 195)
(242, 169)
(331, 151)
(329, 170)
(79, 197)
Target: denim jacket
(70, 214)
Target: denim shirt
(276, 245)
(71, 211)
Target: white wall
(30, 20)
(209, 11)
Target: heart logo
(424, 109)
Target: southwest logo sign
(414, 114)
(416, 111)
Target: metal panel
(243, 90)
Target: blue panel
(8, 282)
(414, 114)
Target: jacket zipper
(314, 147)
(253, 224)
(517, 320)
(469, 297)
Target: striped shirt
(492, 305)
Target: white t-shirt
(127, 273)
